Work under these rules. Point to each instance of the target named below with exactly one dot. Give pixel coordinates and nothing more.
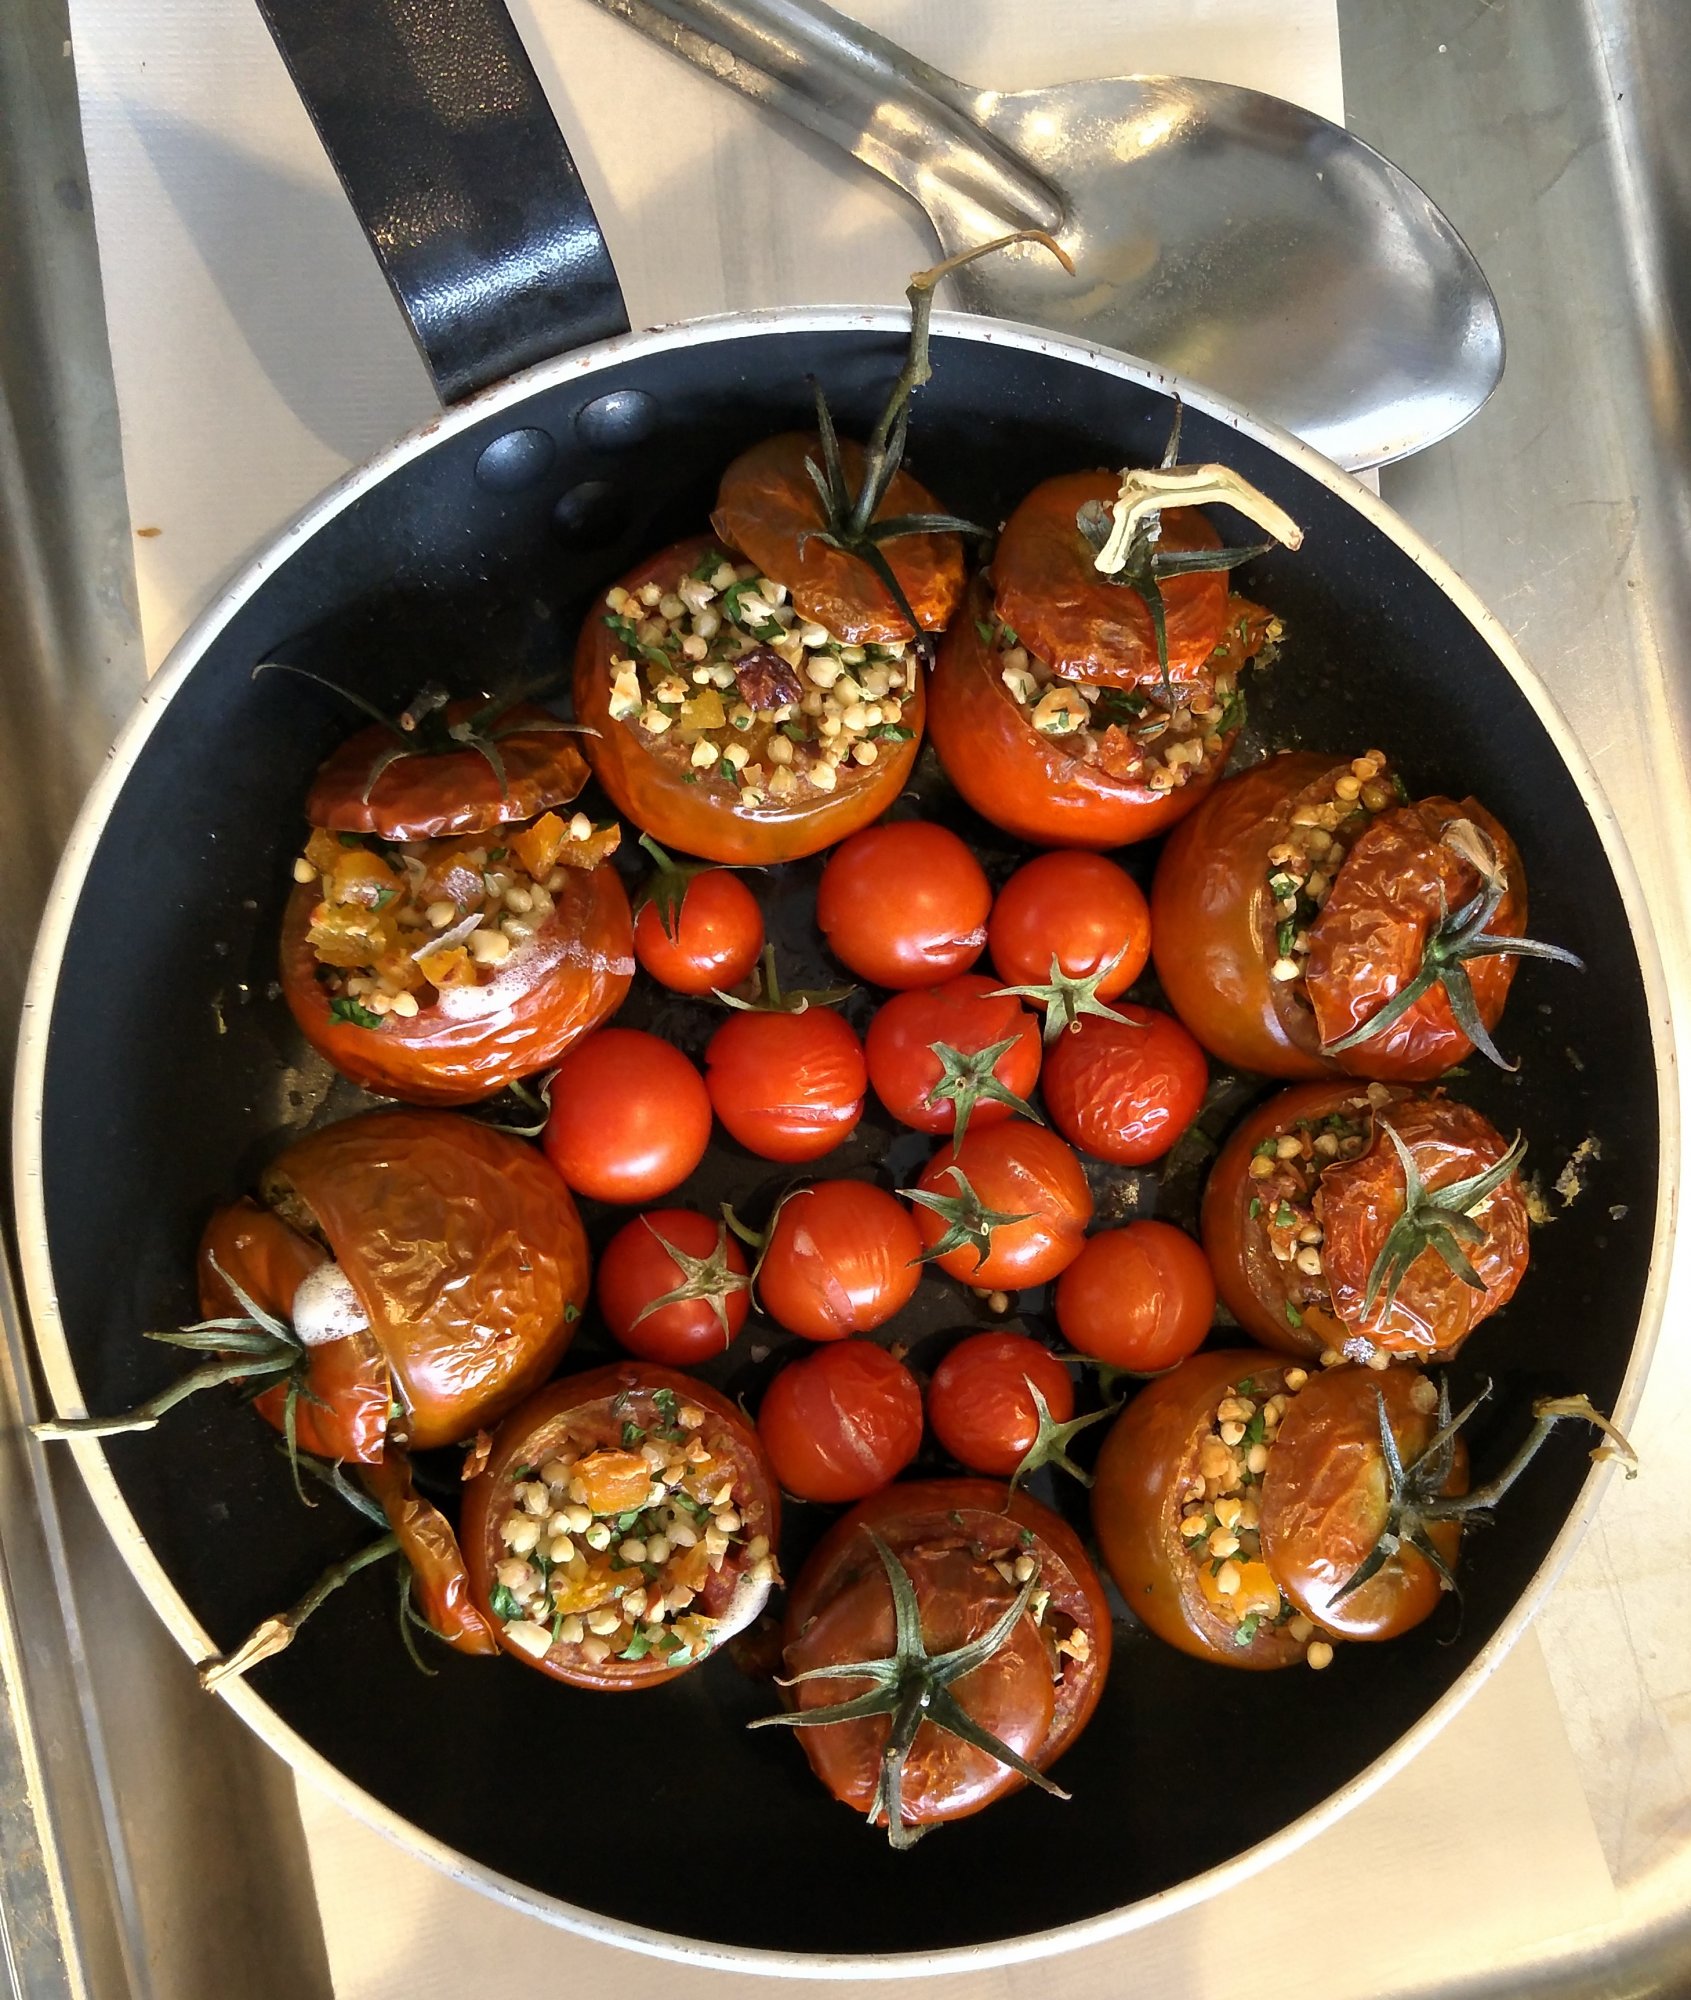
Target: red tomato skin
(1016, 1169)
(1125, 1093)
(636, 1268)
(842, 1258)
(1140, 1297)
(1078, 909)
(980, 1407)
(630, 1117)
(904, 904)
(1023, 781)
(440, 1581)
(840, 1423)
(719, 933)
(787, 1086)
(970, 1015)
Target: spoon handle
(851, 86)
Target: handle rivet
(591, 514)
(613, 422)
(515, 461)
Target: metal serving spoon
(1228, 235)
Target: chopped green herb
(1285, 936)
(637, 1648)
(797, 731)
(631, 1433)
(1266, 1151)
(627, 1521)
(955, 1518)
(894, 732)
(1256, 1429)
(572, 1312)
(505, 1605)
(1248, 1386)
(665, 1401)
(707, 566)
(726, 770)
(1010, 638)
(383, 898)
(1247, 1629)
(355, 1011)
(1026, 1538)
(1283, 1216)
(624, 629)
(1293, 1316)
(523, 1472)
(1256, 1208)
(350, 839)
(497, 853)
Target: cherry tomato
(1013, 1169)
(586, 1436)
(652, 779)
(904, 904)
(1126, 1090)
(787, 1086)
(769, 509)
(1140, 1297)
(639, 1270)
(630, 1117)
(968, 1015)
(842, 1257)
(948, 1535)
(841, 1422)
(1258, 1208)
(1077, 909)
(713, 938)
(439, 1583)
(980, 1405)
(463, 1247)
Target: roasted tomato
(458, 1246)
(1077, 912)
(630, 1117)
(1140, 1297)
(948, 1541)
(958, 1053)
(981, 1406)
(696, 929)
(449, 933)
(904, 904)
(1315, 1248)
(1300, 902)
(1006, 1209)
(672, 1519)
(674, 1286)
(841, 1257)
(1124, 1090)
(439, 1583)
(736, 768)
(787, 1086)
(839, 1423)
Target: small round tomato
(1021, 1173)
(839, 1423)
(674, 1286)
(980, 1402)
(630, 1117)
(904, 904)
(967, 1016)
(787, 1086)
(1139, 1298)
(1079, 911)
(697, 932)
(841, 1257)
(587, 1443)
(1124, 1091)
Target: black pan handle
(435, 121)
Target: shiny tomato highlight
(1079, 910)
(904, 904)
(980, 1404)
(787, 1086)
(630, 1117)
(1140, 1297)
(1124, 1091)
(841, 1257)
(841, 1422)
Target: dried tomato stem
(276, 1634)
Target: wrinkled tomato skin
(1087, 625)
(768, 508)
(345, 1416)
(588, 1411)
(1020, 780)
(1015, 1169)
(840, 1423)
(788, 1086)
(1138, 1492)
(637, 1269)
(456, 791)
(1366, 945)
(980, 1407)
(1140, 1297)
(968, 1014)
(1212, 921)
(1324, 1503)
(440, 1579)
(630, 1117)
(842, 1258)
(1124, 1091)
(710, 818)
(464, 1248)
(719, 933)
(904, 904)
(931, 1525)
(573, 973)
(1080, 910)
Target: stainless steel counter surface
(146, 1845)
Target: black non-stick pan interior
(174, 1072)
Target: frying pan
(158, 1069)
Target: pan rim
(40, 1296)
